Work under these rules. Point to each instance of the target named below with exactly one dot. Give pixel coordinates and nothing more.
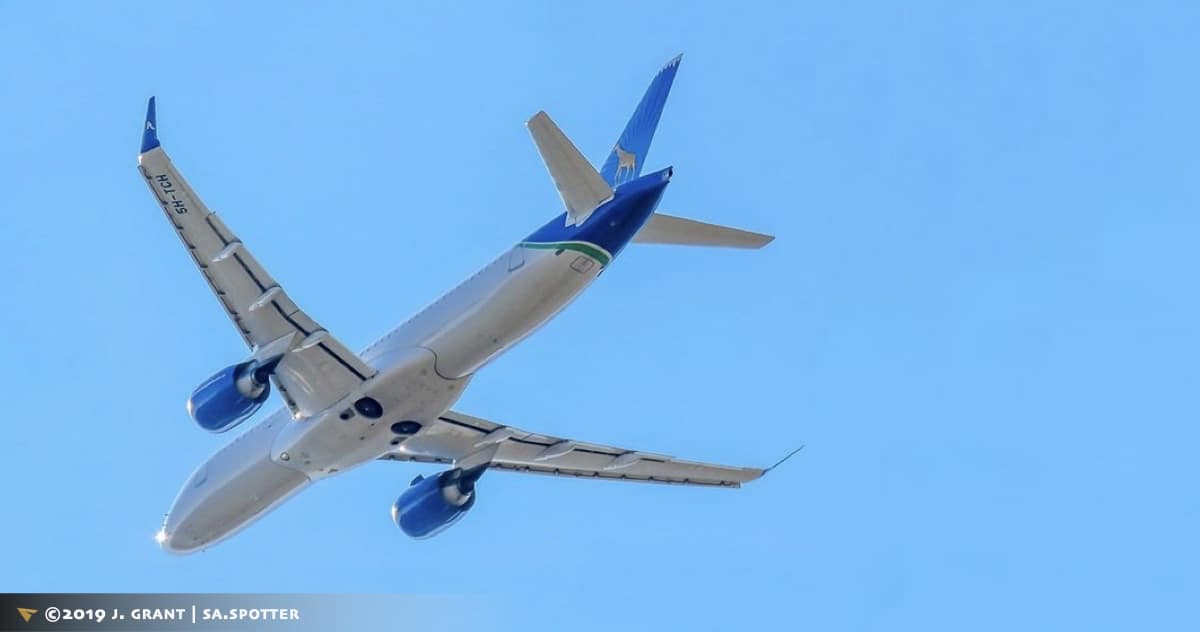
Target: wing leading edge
(317, 369)
(455, 438)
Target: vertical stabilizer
(629, 154)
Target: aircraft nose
(168, 542)
(162, 537)
(174, 537)
(175, 546)
(183, 528)
(226, 494)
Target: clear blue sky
(981, 313)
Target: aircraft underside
(394, 401)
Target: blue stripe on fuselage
(616, 222)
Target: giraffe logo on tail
(626, 161)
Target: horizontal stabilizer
(668, 229)
(579, 184)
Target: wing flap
(454, 437)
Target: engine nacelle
(231, 396)
(431, 505)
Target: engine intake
(432, 505)
(232, 395)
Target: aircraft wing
(317, 369)
(466, 441)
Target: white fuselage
(423, 366)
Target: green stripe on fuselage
(591, 250)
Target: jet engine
(232, 395)
(431, 505)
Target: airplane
(393, 401)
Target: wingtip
(783, 460)
(150, 129)
(674, 61)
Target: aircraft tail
(629, 154)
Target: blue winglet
(150, 131)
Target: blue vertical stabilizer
(629, 155)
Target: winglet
(781, 461)
(150, 131)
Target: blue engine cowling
(231, 396)
(431, 505)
